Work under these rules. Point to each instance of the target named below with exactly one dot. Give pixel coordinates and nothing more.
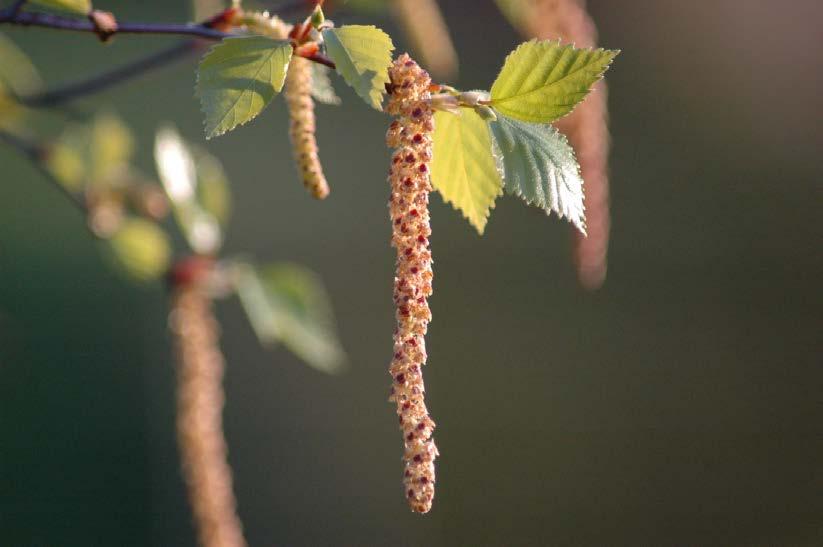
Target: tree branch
(36, 154)
(51, 98)
(63, 23)
(55, 97)
(17, 6)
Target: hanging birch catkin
(302, 123)
(302, 127)
(200, 437)
(411, 137)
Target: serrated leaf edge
(541, 204)
(570, 45)
(384, 80)
(213, 134)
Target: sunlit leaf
(67, 166)
(139, 249)
(68, 158)
(179, 175)
(81, 7)
(321, 86)
(540, 167)
(11, 113)
(463, 167)
(542, 81)
(287, 304)
(362, 55)
(238, 77)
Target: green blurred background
(680, 405)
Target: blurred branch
(37, 154)
(17, 6)
(205, 30)
(100, 82)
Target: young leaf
(321, 86)
(238, 77)
(542, 81)
(463, 167)
(287, 303)
(179, 175)
(81, 7)
(362, 55)
(139, 249)
(16, 70)
(540, 167)
(213, 191)
(111, 149)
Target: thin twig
(36, 154)
(55, 97)
(51, 98)
(63, 23)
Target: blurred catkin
(410, 134)
(200, 400)
(429, 35)
(587, 129)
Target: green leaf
(97, 154)
(287, 303)
(16, 70)
(540, 167)
(18, 77)
(68, 159)
(81, 7)
(463, 167)
(213, 191)
(67, 166)
(543, 81)
(321, 86)
(238, 77)
(139, 249)
(179, 175)
(112, 147)
(362, 55)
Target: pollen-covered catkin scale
(411, 137)
(302, 127)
